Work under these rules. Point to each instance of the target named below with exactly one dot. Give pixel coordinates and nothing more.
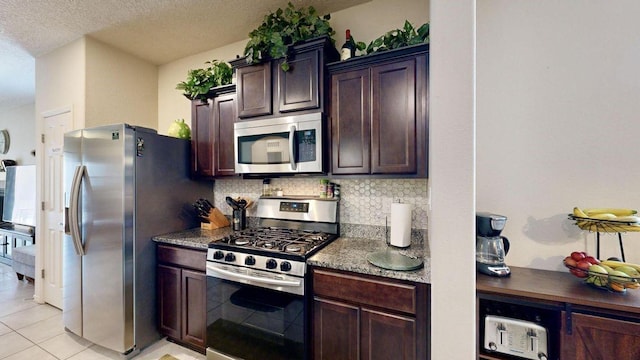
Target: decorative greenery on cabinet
(282, 29)
(200, 81)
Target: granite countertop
(196, 238)
(344, 253)
(350, 254)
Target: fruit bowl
(605, 277)
(605, 225)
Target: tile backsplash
(362, 201)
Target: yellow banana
(579, 213)
(602, 216)
(616, 264)
(614, 211)
(627, 219)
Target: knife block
(216, 220)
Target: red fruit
(570, 262)
(592, 260)
(578, 273)
(578, 255)
(583, 265)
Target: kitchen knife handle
(292, 138)
(74, 225)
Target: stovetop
(288, 243)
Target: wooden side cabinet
(379, 121)
(212, 153)
(358, 316)
(182, 289)
(598, 338)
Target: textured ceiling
(158, 31)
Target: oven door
(250, 322)
(291, 144)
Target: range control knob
(250, 260)
(230, 257)
(271, 264)
(218, 255)
(285, 266)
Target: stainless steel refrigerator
(123, 185)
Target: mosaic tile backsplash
(362, 201)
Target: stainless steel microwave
(284, 145)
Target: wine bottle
(348, 50)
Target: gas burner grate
(290, 241)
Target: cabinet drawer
(187, 258)
(365, 290)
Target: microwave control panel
(306, 145)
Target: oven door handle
(253, 278)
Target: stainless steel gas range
(258, 306)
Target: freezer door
(71, 262)
(107, 228)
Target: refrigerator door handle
(74, 205)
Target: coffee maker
(491, 248)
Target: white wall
(452, 179)
(60, 81)
(20, 123)
(557, 121)
(172, 104)
(120, 88)
(367, 22)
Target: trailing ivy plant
(282, 29)
(200, 81)
(398, 38)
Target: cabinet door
(335, 330)
(194, 308)
(599, 338)
(202, 138)
(253, 84)
(393, 118)
(387, 336)
(224, 116)
(351, 122)
(169, 298)
(298, 87)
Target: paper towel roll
(401, 224)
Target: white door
(55, 124)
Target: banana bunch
(616, 275)
(607, 219)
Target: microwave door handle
(292, 135)
(74, 225)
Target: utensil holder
(216, 220)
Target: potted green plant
(282, 29)
(200, 81)
(398, 38)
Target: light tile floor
(29, 330)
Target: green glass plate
(394, 261)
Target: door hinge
(42, 205)
(42, 274)
(42, 138)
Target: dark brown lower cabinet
(359, 316)
(600, 338)
(182, 289)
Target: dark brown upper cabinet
(212, 134)
(265, 90)
(379, 114)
